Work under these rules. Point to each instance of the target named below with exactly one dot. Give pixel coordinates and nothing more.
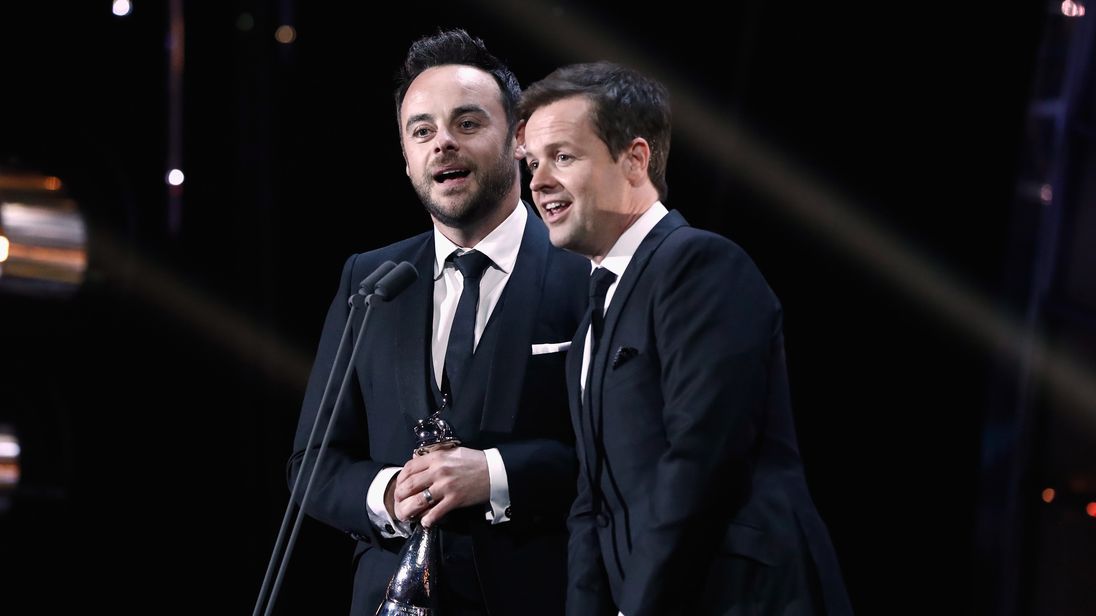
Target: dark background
(156, 407)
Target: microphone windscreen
(394, 282)
(371, 280)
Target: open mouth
(555, 209)
(451, 175)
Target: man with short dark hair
(482, 335)
(691, 498)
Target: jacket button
(602, 519)
(509, 512)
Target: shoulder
(567, 263)
(688, 253)
(362, 264)
(688, 248)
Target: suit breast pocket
(627, 366)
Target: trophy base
(391, 608)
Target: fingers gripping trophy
(413, 589)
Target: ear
(403, 155)
(637, 156)
(519, 149)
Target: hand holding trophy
(413, 589)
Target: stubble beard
(494, 184)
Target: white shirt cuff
(378, 513)
(500, 488)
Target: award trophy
(413, 589)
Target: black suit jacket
(512, 400)
(692, 498)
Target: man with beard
(493, 364)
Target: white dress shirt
(617, 260)
(501, 245)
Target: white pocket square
(551, 347)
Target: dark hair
(458, 47)
(626, 105)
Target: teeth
(445, 175)
(553, 205)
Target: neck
(637, 203)
(470, 235)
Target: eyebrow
(463, 109)
(418, 117)
(550, 147)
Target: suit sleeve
(714, 318)
(338, 494)
(541, 477)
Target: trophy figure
(413, 589)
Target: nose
(542, 180)
(445, 141)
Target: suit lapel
(515, 316)
(414, 310)
(647, 247)
(574, 365)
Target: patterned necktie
(462, 338)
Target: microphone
(394, 282)
(370, 281)
(386, 282)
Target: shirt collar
(501, 245)
(618, 257)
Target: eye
(468, 125)
(564, 158)
(421, 132)
(532, 164)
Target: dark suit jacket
(691, 497)
(512, 400)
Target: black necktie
(462, 338)
(600, 281)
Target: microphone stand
(385, 282)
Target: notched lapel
(516, 313)
(414, 307)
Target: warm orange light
(9, 474)
(285, 34)
(1090, 509)
(5, 247)
(52, 183)
(1048, 495)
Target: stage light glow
(285, 34)
(121, 8)
(1073, 9)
